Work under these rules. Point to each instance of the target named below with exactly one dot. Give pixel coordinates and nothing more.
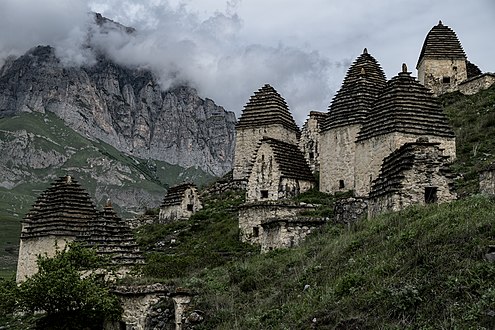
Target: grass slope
(473, 120)
(48, 132)
(422, 268)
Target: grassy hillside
(473, 120)
(422, 268)
(101, 169)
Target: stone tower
(442, 63)
(266, 114)
(404, 111)
(65, 213)
(346, 115)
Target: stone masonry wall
(288, 232)
(265, 175)
(487, 182)
(432, 71)
(310, 143)
(350, 210)
(474, 85)
(413, 190)
(247, 141)
(338, 150)
(31, 248)
(371, 153)
(251, 216)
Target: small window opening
(264, 194)
(455, 68)
(341, 184)
(311, 155)
(190, 207)
(446, 80)
(431, 195)
(256, 231)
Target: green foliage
(210, 238)
(421, 268)
(68, 299)
(473, 121)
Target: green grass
(473, 121)
(421, 268)
(48, 132)
(210, 238)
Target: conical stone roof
(290, 160)
(408, 107)
(266, 107)
(441, 43)
(364, 80)
(112, 237)
(64, 209)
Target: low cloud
(176, 44)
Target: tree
(68, 299)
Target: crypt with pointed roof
(346, 115)
(266, 114)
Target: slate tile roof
(405, 106)
(441, 43)
(392, 173)
(290, 159)
(267, 107)
(66, 209)
(363, 81)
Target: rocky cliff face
(123, 107)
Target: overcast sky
(229, 49)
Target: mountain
(124, 107)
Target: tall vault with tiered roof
(347, 113)
(266, 114)
(64, 213)
(404, 111)
(442, 63)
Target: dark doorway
(256, 231)
(341, 184)
(446, 80)
(190, 207)
(431, 195)
(264, 194)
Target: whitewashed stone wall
(432, 71)
(247, 141)
(476, 84)
(31, 248)
(287, 232)
(251, 215)
(338, 149)
(371, 153)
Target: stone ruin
(443, 66)
(180, 202)
(64, 213)
(267, 156)
(388, 142)
(265, 115)
(416, 173)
